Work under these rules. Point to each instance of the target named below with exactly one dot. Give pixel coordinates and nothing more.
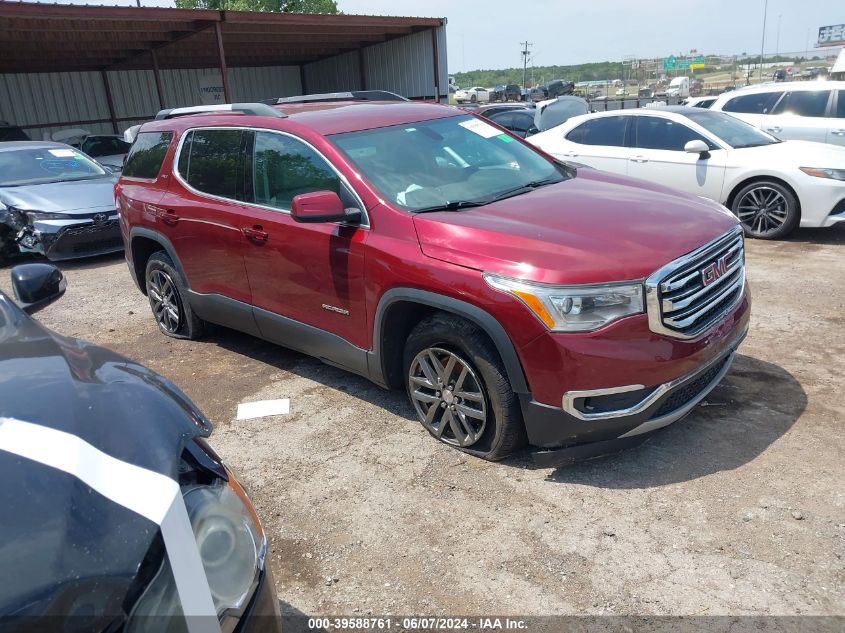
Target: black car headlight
(232, 547)
(230, 540)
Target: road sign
(833, 35)
(674, 63)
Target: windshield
(433, 164)
(736, 133)
(46, 164)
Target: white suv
(808, 111)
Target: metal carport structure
(106, 68)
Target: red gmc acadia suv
(516, 298)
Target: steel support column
(157, 77)
(227, 93)
(109, 100)
(434, 49)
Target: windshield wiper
(529, 186)
(456, 205)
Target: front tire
(168, 299)
(459, 389)
(473, 99)
(767, 210)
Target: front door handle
(639, 159)
(775, 130)
(255, 233)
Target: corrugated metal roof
(38, 37)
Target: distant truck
(678, 87)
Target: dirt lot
(738, 509)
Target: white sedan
(476, 94)
(771, 185)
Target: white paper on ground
(263, 408)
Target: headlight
(574, 308)
(230, 541)
(46, 215)
(232, 547)
(818, 172)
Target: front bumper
(67, 239)
(619, 388)
(262, 615)
(822, 201)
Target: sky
(486, 34)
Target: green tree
(276, 6)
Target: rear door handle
(639, 159)
(838, 132)
(168, 217)
(255, 234)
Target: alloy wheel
(763, 209)
(165, 302)
(448, 396)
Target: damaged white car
(56, 201)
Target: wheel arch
(143, 243)
(759, 178)
(400, 309)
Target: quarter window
(285, 167)
(804, 103)
(659, 133)
(210, 162)
(758, 103)
(147, 155)
(608, 130)
(840, 108)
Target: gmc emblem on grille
(715, 270)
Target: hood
(794, 153)
(76, 197)
(73, 548)
(595, 227)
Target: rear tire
(479, 414)
(168, 297)
(767, 210)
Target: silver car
(56, 201)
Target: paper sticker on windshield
(63, 153)
(481, 128)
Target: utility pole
(763, 41)
(777, 39)
(525, 52)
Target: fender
(481, 318)
(140, 231)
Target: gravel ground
(738, 509)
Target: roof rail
(352, 95)
(254, 109)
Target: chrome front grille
(690, 294)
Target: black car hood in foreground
(66, 550)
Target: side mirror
(697, 147)
(531, 131)
(322, 206)
(37, 285)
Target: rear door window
(840, 108)
(758, 103)
(147, 155)
(210, 161)
(812, 103)
(608, 130)
(285, 167)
